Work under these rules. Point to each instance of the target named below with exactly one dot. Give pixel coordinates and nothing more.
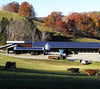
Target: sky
(43, 8)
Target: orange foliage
(14, 6)
(52, 19)
(86, 22)
(61, 26)
(26, 10)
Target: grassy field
(46, 74)
(85, 40)
(39, 26)
(9, 15)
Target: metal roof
(5, 46)
(67, 44)
(29, 48)
(11, 42)
(11, 46)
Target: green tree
(3, 34)
(3, 38)
(4, 22)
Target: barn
(38, 47)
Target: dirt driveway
(27, 56)
(83, 56)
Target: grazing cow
(92, 72)
(11, 65)
(74, 70)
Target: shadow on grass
(61, 38)
(20, 70)
(39, 79)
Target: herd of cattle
(12, 65)
(88, 71)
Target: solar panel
(39, 43)
(28, 48)
(67, 44)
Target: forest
(77, 24)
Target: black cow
(74, 70)
(10, 65)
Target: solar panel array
(29, 48)
(39, 45)
(67, 44)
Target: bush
(3, 34)
(3, 38)
(4, 22)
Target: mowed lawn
(46, 74)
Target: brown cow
(74, 70)
(92, 72)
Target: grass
(85, 40)
(9, 15)
(39, 26)
(46, 74)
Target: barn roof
(13, 42)
(67, 44)
(4, 46)
(29, 48)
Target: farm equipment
(61, 56)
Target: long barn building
(38, 47)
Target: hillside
(9, 15)
(64, 38)
(45, 33)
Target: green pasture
(46, 74)
(9, 15)
(84, 40)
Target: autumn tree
(13, 7)
(61, 26)
(65, 27)
(52, 19)
(26, 9)
(86, 23)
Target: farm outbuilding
(38, 47)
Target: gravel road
(84, 56)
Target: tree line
(25, 9)
(78, 24)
